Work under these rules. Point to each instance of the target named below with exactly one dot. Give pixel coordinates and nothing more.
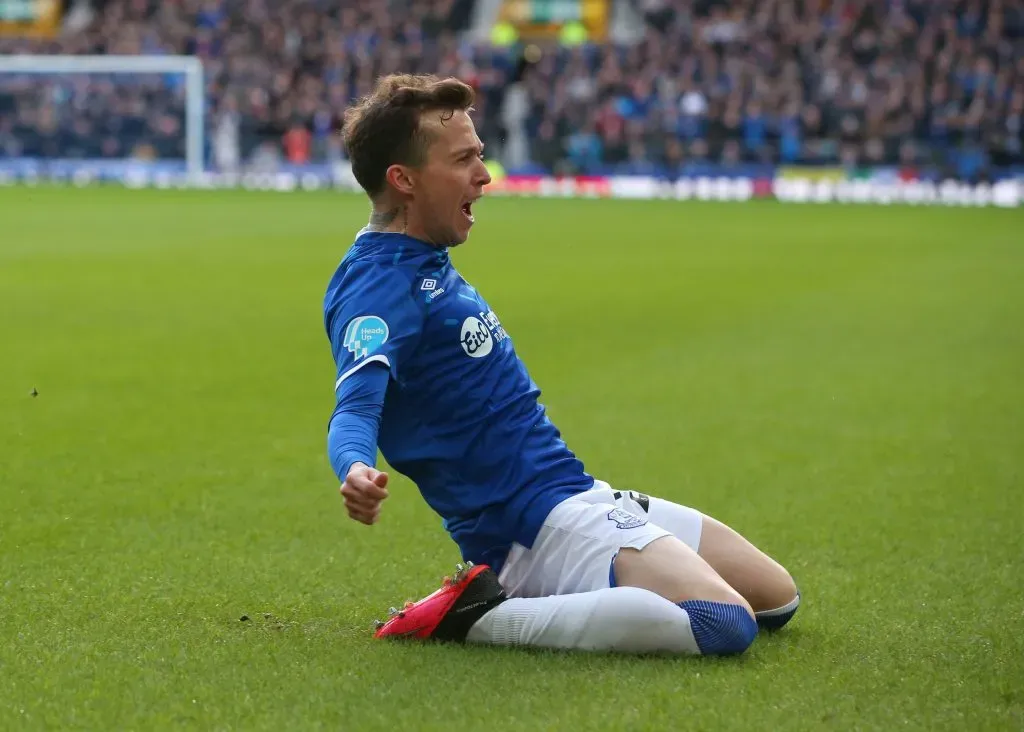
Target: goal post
(190, 67)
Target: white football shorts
(578, 542)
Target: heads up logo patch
(365, 334)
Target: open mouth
(467, 211)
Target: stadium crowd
(840, 82)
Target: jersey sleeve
(372, 318)
(352, 433)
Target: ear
(399, 177)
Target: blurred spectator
(547, 150)
(226, 142)
(297, 143)
(907, 83)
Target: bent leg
(676, 572)
(620, 619)
(721, 620)
(589, 545)
(765, 583)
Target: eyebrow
(466, 150)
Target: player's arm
(374, 325)
(352, 442)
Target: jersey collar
(395, 241)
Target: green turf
(844, 385)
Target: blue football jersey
(461, 415)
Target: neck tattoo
(381, 220)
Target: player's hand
(363, 490)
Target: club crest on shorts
(625, 519)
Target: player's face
(452, 178)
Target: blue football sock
(775, 619)
(720, 628)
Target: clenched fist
(363, 490)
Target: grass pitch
(844, 385)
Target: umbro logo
(428, 285)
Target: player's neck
(390, 218)
(395, 219)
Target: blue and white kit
(427, 374)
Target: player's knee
(720, 629)
(779, 599)
(781, 590)
(778, 617)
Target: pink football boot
(448, 613)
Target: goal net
(86, 119)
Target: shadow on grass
(766, 648)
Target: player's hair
(383, 128)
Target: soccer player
(427, 374)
